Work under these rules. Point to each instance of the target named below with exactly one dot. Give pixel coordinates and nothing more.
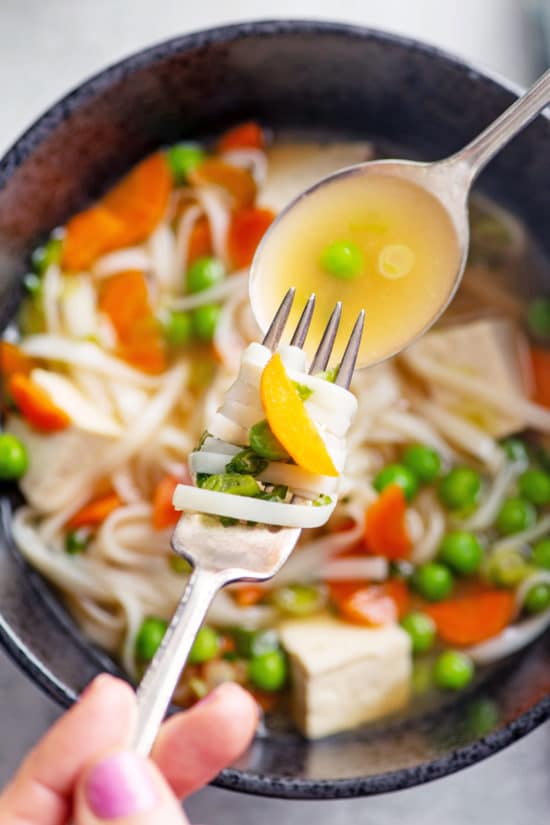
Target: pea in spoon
(449, 181)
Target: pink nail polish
(121, 785)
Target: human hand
(82, 771)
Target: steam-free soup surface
(370, 240)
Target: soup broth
(406, 257)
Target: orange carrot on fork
(36, 405)
(164, 514)
(95, 512)
(385, 529)
(246, 230)
(248, 135)
(473, 617)
(127, 214)
(290, 422)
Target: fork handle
(160, 680)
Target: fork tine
(347, 364)
(324, 349)
(276, 328)
(302, 329)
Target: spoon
(449, 181)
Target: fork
(221, 555)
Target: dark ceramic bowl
(336, 79)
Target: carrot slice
(473, 617)
(36, 406)
(540, 362)
(164, 514)
(125, 215)
(200, 241)
(245, 233)
(236, 181)
(385, 529)
(13, 359)
(248, 595)
(289, 421)
(373, 605)
(124, 299)
(95, 512)
(248, 135)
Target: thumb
(128, 789)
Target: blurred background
(49, 46)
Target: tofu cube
(343, 674)
(491, 349)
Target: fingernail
(120, 786)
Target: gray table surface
(48, 47)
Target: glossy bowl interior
(319, 78)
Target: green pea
(506, 568)
(76, 541)
(248, 462)
(183, 158)
(537, 598)
(205, 321)
(462, 552)
(205, 647)
(534, 485)
(264, 442)
(204, 273)
(421, 629)
(538, 317)
(298, 599)
(460, 488)
(515, 449)
(44, 256)
(343, 259)
(423, 461)
(149, 638)
(178, 328)
(268, 671)
(396, 474)
(433, 581)
(14, 459)
(541, 553)
(515, 516)
(233, 483)
(250, 643)
(453, 670)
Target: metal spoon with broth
(391, 236)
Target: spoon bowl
(446, 183)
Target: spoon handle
(481, 149)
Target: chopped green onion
(303, 391)
(248, 462)
(232, 483)
(264, 443)
(76, 541)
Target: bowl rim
(232, 778)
